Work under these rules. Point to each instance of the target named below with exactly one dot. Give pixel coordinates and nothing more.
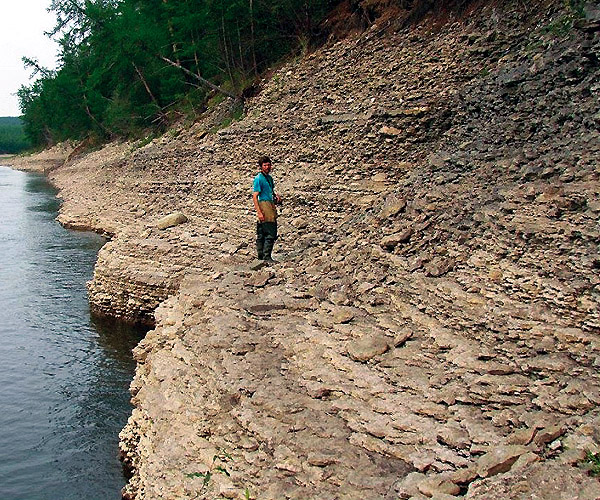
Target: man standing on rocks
(265, 199)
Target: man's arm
(261, 216)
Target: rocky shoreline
(432, 328)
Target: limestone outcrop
(432, 328)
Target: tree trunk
(88, 112)
(242, 65)
(254, 68)
(173, 44)
(161, 113)
(225, 49)
(198, 77)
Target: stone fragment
(257, 264)
(392, 206)
(436, 160)
(171, 220)
(463, 476)
(248, 444)
(522, 436)
(342, 315)
(338, 298)
(390, 131)
(548, 434)
(227, 489)
(439, 266)
(367, 348)
(499, 459)
(417, 111)
(454, 436)
(286, 460)
(344, 117)
(321, 459)
(259, 279)
(401, 337)
(409, 486)
(555, 445)
(434, 485)
(525, 460)
(513, 75)
(266, 307)
(391, 241)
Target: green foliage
(206, 477)
(594, 460)
(221, 456)
(577, 7)
(12, 136)
(114, 78)
(561, 27)
(564, 24)
(224, 458)
(215, 100)
(144, 141)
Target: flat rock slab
(367, 348)
(499, 460)
(393, 205)
(259, 279)
(342, 315)
(391, 241)
(439, 266)
(548, 434)
(390, 131)
(265, 307)
(257, 264)
(541, 481)
(434, 486)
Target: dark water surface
(64, 376)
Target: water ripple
(63, 375)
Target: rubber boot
(268, 248)
(260, 241)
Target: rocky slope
(432, 327)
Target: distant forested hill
(12, 136)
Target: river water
(64, 376)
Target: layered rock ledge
(432, 328)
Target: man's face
(265, 168)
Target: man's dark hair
(263, 159)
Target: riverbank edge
(137, 444)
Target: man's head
(264, 164)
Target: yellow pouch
(269, 210)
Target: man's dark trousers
(266, 234)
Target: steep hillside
(432, 327)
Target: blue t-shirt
(262, 186)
